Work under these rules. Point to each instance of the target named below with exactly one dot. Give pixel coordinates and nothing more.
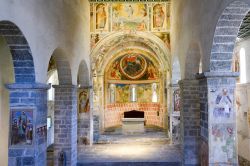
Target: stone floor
(151, 148)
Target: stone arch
(109, 47)
(62, 66)
(193, 60)
(21, 54)
(225, 35)
(120, 40)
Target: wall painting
(177, 100)
(122, 93)
(222, 104)
(101, 17)
(130, 16)
(223, 144)
(83, 101)
(21, 127)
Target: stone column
(190, 121)
(218, 119)
(65, 124)
(28, 124)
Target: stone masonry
(218, 119)
(65, 124)
(190, 121)
(30, 97)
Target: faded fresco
(177, 100)
(109, 17)
(21, 127)
(222, 104)
(133, 66)
(223, 144)
(145, 93)
(130, 16)
(122, 93)
(101, 17)
(83, 101)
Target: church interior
(125, 82)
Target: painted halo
(133, 66)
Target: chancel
(124, 82)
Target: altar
(133, 122)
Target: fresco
(177, 100)
(21, 127)
(165, 37)
(83, 101)
(223, 144)
(130, 16)
(133, 66)
(222, 104)
(122, 93)
(144, 93)
(108, 17)
(101, 17)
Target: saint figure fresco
(21, 128)
(158, 16)
(101, 16)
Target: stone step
(128, 164)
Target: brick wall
(114, 113)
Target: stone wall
(29, 97)
(190, 121)
(65, 123)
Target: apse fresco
(133, 66)
(108, 17)
(122, 93)
(145, 93)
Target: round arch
(225, 35)
(21, 54)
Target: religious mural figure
(130, 11)
(223, 105)
(21, 128)
(158, 16)
(177, 100)
(83, 101)
(101, 16)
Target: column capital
(34, 86)
(216, 74)
(188, 81)
(67, 86)
(85, 87)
